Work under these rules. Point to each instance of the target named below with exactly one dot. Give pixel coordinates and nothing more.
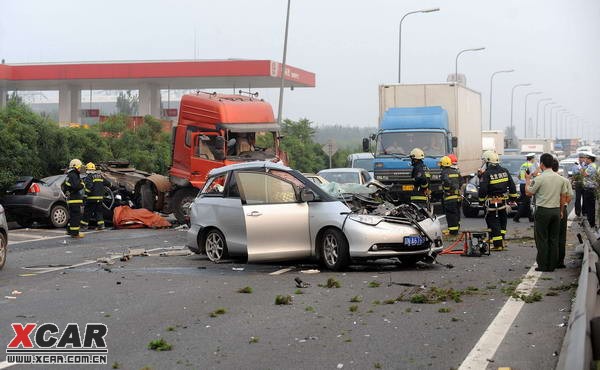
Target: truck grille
(387, 176)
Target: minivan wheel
(333, 250)
(215, 245)
(59, 216)
(3, 243)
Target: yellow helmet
(490, 156)
(90, 166)
(417, 153)
(75, 163)
(445, 161)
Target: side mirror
(365, 144)
(454, 141)
(306, 195)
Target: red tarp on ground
(126, 218)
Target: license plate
(410, 241)
(408, 187)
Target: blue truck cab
(400, 131)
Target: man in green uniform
(547, 189)
(566, 195)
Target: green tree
(304, 154)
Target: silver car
(262, 211)
(3, 237)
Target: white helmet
(75, 163)
(417, 153)
(490, 156)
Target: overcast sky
(352, 46)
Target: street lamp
(537, 116)
(512, 99)
(551, 132)
(456, 61)
(400, 37)
(285, 39)
(544, 122)
(527, 96)
(491, 91)
(555, 122)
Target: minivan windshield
(401, 143)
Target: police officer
(566, 195)
(72, 187)
(589, 188)
(94, 190)
(495, 183)
(577, 179)
(451, 194)
(420, 175)
(548, 190)
(525, 201)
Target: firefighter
(495, 183)
(589, 188)
(72, 187)
(451, 198)
(94, 191)
(529, 167)
(420, 175)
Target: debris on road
(311, 271)
(237, 268)
(183, 227)
(106, 260)
(15, 292)
(175, 253)
(300, 283)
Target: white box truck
(492, 140)
(536, 145)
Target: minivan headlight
(366, 219)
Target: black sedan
(32, 200)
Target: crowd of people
(551, 194)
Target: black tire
(469, 212)
(214, 245)
(182, 200)
(147, 197)
(59, 216)
(333, 250)
(3, 249)
(24, 221)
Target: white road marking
(5, 365)
(25, 235)
(37, 238)
(282, 271)
(493, 336)
(571, 217)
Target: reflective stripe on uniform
(453, 228)
(453, 175)
(98, 180)
(505, 179)
(75, 201)
(67, 183)
(100, 222)
(503, 232)
(95, 197)
(451, 197)
(418, 197)
(83, 222)
(496, 238)
(73, 228)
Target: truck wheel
(59, 216)
(147, 197)
(108, 201)
(333, 250)
(183, 200)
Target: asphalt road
(172, 297)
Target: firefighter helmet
(490, 156)
(417, 153)
(75, 163)
(90, 166)
(453, 158)
(445, 161)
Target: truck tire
(182, 201)
(147, 197)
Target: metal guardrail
(576, 352)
